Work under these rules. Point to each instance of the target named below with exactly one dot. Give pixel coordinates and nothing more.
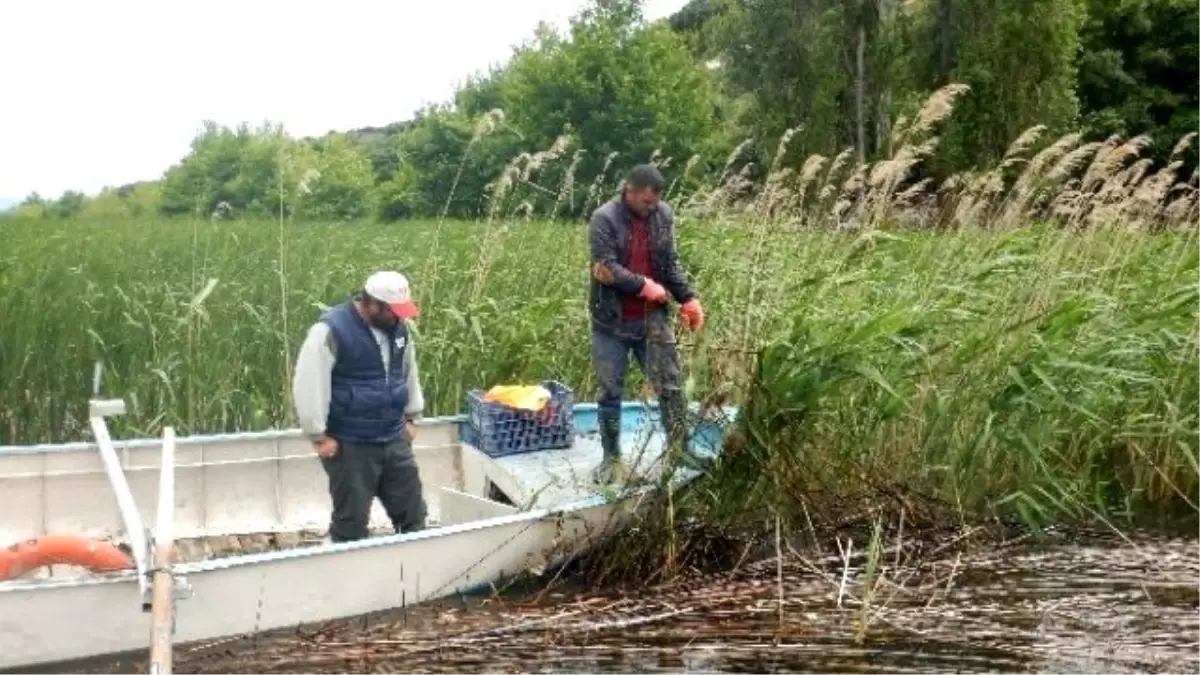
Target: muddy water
(1065, 609)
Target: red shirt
(633, 307)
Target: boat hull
(496, 518)
(51, 622)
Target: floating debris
(1130, 608)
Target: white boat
(490, 518)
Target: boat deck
(245, 495)
(542, 479)
(545, 478)
(554, 477)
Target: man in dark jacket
(633, 268)
(357, 393)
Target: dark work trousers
(652, 343)
(359, 473)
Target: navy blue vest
(366, 405)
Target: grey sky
(106, 93)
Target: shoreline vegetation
(1015, 346)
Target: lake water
(1063, 609)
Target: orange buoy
(62, 549)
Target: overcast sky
(111, 92)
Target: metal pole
(134, 528)
(162, 618)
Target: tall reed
(1010, 343)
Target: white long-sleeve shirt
(314, 368)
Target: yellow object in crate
(523, 397)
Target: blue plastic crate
(499, 430)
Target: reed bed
(1016, 343)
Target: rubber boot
(611, 467)
(673, 410)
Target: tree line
(711, 89)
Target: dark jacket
(366, 405)
(611, 279)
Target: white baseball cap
(392, 287)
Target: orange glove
(692, 314)
(653, 292)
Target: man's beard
(383, 323)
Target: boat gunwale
(216, 564)
(683, 476)
(145, 443)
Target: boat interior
(255, 492)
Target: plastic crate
(499, 430)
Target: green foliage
(800, 62)
(1020, 59)
(1032, 371)
(260, 172)
(694, 21)
(67, 206)
(787, 56)
(33, 206)
(340, 185)
(1138, 70)
(447, 159)
(230, 167)
(622, 90)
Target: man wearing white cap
(357, 392)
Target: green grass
(124, 292)
(1044, 373)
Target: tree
(341, 183)
(619, 85)
(1138, 71)
(1020, 58)
(787, 57)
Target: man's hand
(410, 431)
(692, 314)
(653, 291)
(326, 446)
